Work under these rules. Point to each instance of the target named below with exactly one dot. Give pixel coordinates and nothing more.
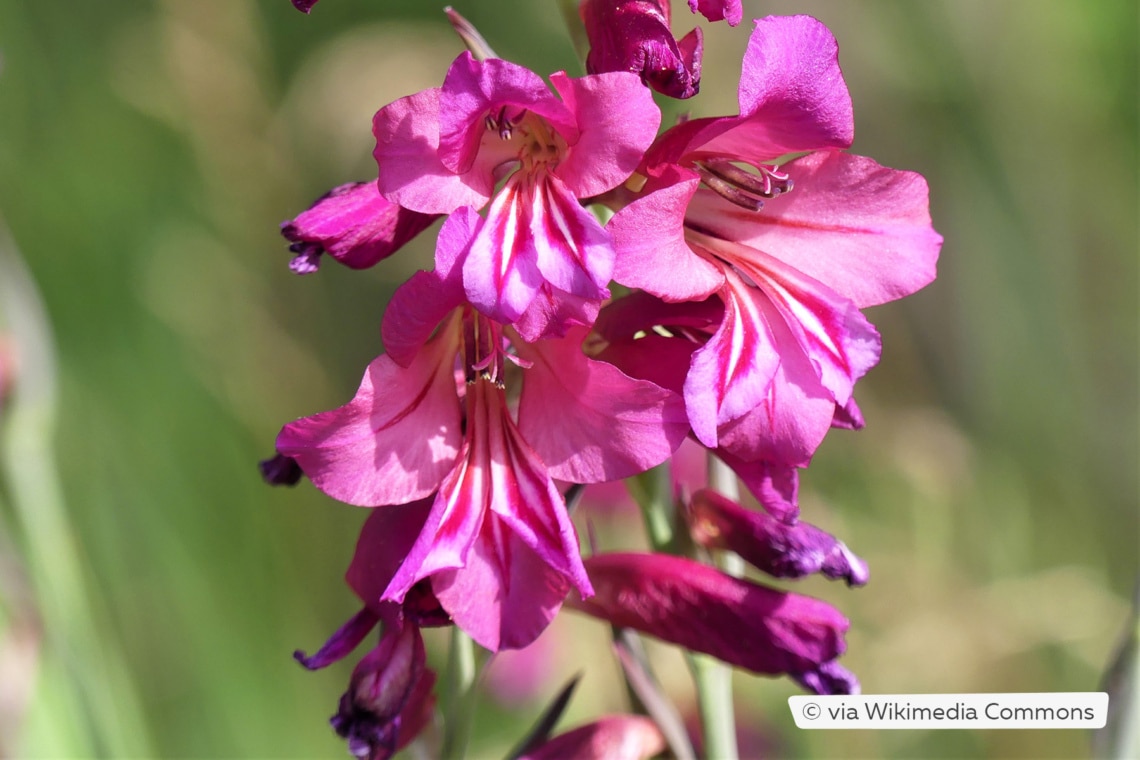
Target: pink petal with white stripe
(731, 373)
(858, 227)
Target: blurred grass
(148, 151)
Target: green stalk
(652, 490)
(712, 677)
(458, 690)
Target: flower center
(538, 145)
(742, 187)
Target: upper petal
(617, 119)
(791, 80)
(407, 155)
(472, 89)
(860, 228)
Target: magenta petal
(451, 527)
(849, 416)
(618, 121)
(792, 82)
(553, 312)
(473, 90)
(780, 549)
(860, 228)
(407, 155)
(354, 225)
(628, 737)
(506, 594)
(629, 328)
(651, 252)
(360, 453)
(588, 421)
(304, 5)
(700, 608)
(719, 10)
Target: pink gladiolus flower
(634, 35)
(354, 225)
(497, 543)
(629, 737)
(702, 609)
(444, 149)
(304, 5)
(776, 547)
(789, 268)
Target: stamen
(727, 190)
(502, 124)
(741, 186)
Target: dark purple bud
(776, 547)
(353, 224)
(280, 470)
(828, 678)
(700, 608)
(634, 35)
(389, 698)
(304, 5)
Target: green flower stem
(652, 490)
(458, 693)
(713, 678)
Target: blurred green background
(152, 588)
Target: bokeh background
(152, 588)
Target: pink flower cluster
(746, 245)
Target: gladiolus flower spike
(746, 246)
